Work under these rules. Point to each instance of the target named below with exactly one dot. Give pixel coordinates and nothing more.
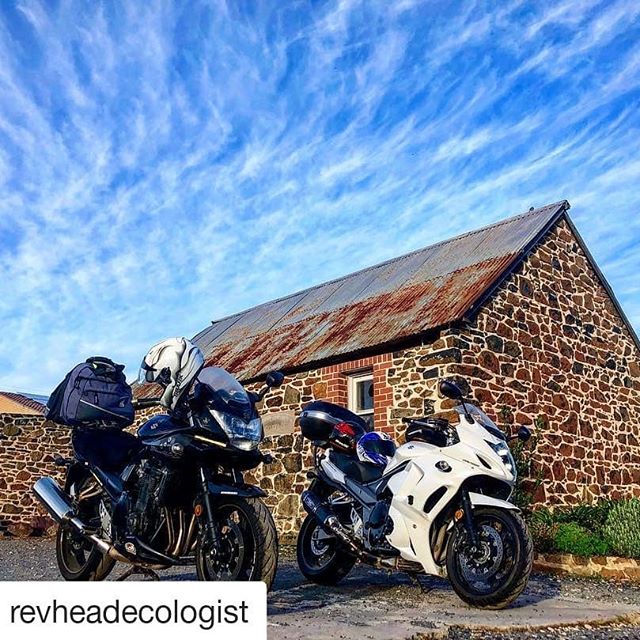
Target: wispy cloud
(163, 165)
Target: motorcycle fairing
(421, 478)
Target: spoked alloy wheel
(235, 557)
(247, 548)
(323, 547)
(496, 572)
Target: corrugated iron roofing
(383, 304)
(17, 403)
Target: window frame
(352, 394)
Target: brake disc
(320, 541)
(486, 562)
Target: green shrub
(622, 528)
(572, 538)
(543, 515)
(589, 516)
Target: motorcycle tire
(248, 546)
(506, 542)
(324, 562)
(78, 559)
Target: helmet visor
(147, 373)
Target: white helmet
(173, 364)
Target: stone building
(518, 310)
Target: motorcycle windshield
(226, 394)
(482, 418)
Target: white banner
(126, 610)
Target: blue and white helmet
(375, 448)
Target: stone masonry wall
(551, 351)
(28, 445)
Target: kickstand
(415, 578)
(139, 571)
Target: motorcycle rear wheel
(320, 556)
(497, 573)
(248, 548)
(78, 559)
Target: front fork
(469, 525)
(210, 533)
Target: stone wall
(28, 445)
(551, 351)
(607, 567)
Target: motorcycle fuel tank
(159, 426)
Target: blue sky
(165, 164)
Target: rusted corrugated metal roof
(17, 403)
(380, 305)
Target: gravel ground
(376, 606)
(607, 632)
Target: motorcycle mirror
(451, 390)
(274, 379)
(524, 434)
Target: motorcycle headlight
(504, 452)
(242, 435)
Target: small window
(361, 396)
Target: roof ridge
(560, 204)
(23, 400)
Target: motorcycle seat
(362, 472)
(108, 449)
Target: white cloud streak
(161, 167)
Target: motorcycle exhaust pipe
(329, 521)
(313, 505)
(59, 506)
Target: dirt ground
(373, 605)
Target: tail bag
(94, 393)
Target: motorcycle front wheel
(496, 572)
(247, 548)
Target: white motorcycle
(439, 506)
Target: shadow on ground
(378, 604)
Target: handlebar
(145, 403)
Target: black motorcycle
(172, 495)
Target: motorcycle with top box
(437, 505)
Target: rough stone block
(291, 395)
(445, 356)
